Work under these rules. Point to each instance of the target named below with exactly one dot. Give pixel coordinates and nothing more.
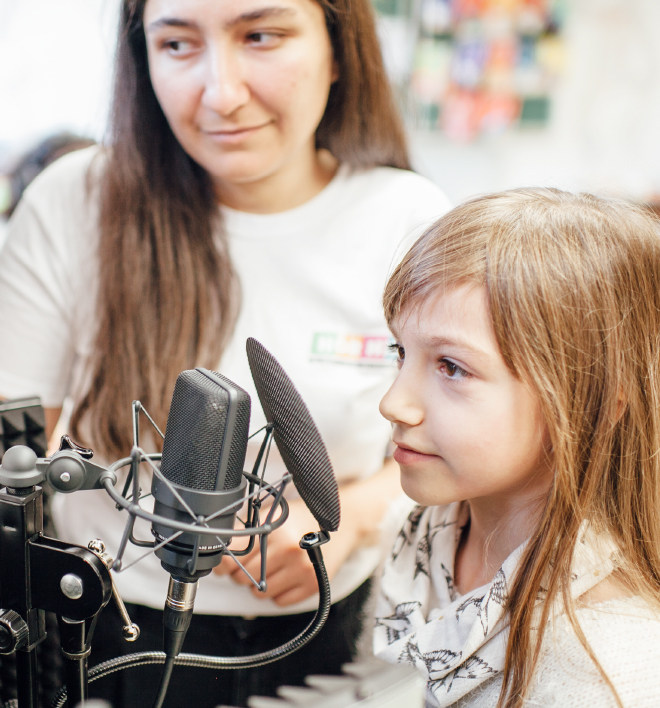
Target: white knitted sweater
(458, 642)
(626, 640)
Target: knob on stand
(13, 632)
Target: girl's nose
(402, 404)
(226, 88)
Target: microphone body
(203, 456)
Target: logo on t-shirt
(354, 349)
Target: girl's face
(464, 426)
(243, 83)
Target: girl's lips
(406, 456)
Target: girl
(527, 424)
(256, 184)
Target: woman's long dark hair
(168, 295)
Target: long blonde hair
(573, 285)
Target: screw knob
(13, 631)
(19, 468)
(97, 546)
(72, 586)
(130, 632)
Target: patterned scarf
(456, 642)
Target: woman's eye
(178, 47)
(452, 370)
(263, 39)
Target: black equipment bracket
(47, 576)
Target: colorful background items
(355, 349)
(479, 66)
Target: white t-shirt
(311, 279)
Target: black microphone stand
(310, 542)
(39, 575)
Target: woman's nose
(402, 404)
(226, 88)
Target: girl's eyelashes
(452, 370)
(397, 349)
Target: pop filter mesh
(296, 435)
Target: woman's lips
(234, 135)
(406, 456)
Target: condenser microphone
(203, 455)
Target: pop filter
(296, 435)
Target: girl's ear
(335, 71)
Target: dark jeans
(224, 636)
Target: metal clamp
(77, 657)
(130, 631)
(314, 539)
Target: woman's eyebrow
(260, 14)
(170, 22)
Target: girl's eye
(452, 370)
(398, 350)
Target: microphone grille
(239, 438)
(196, 433)
(296, 435)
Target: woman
(120, 271)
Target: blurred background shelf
(472, 67)
(496, 93)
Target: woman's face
(243, 83)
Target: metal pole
(26, 675)
(75, 653)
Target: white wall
(56, 60)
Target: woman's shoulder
(70, 178)
(398, 187)
(58, 213)
(624, 635)
(386, 200)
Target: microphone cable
(310, 542)
(164, 681)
